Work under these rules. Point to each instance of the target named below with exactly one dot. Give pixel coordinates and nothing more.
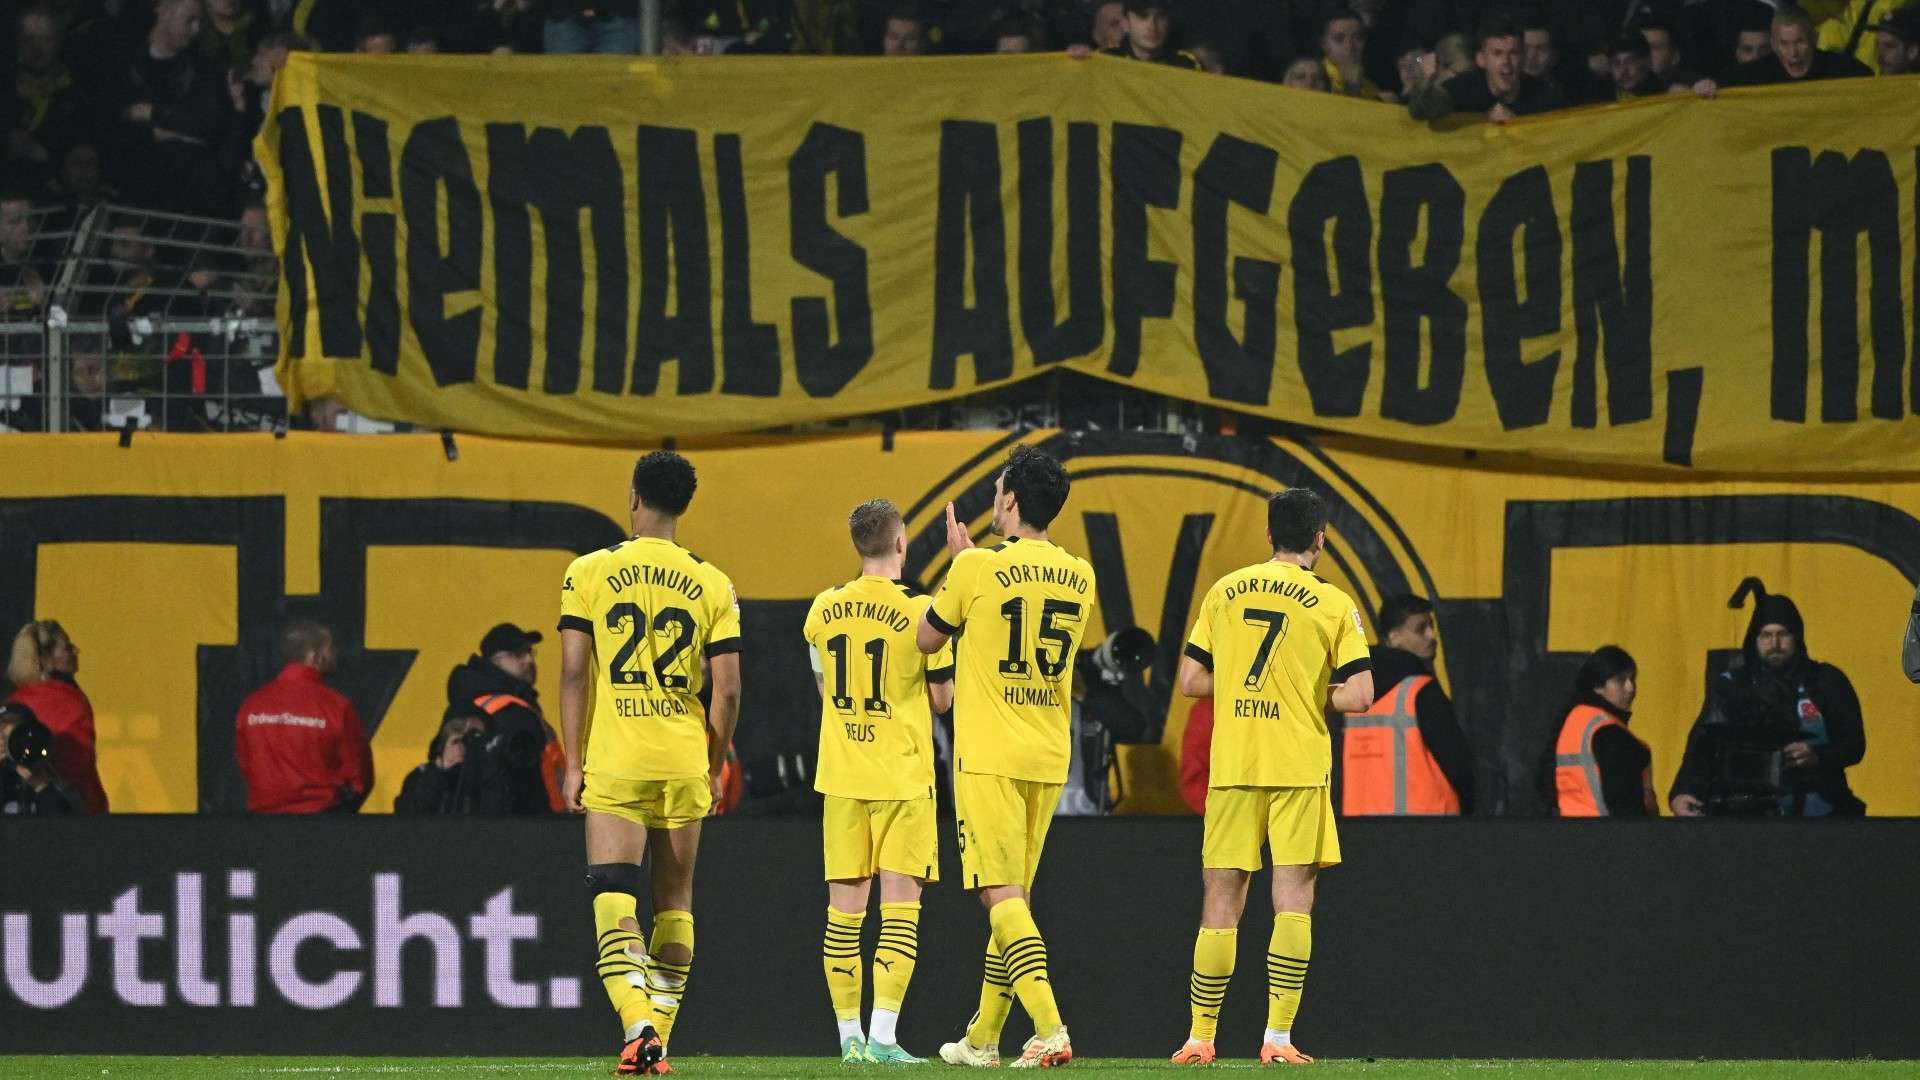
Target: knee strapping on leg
(619, 877)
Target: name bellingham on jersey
(1013, 682)
(1275, 637)
(654, 609)
(876, 726)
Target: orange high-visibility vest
(553, 759)
(1576, 772)
(1387, 768)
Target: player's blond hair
(872, 524)
(32, 648)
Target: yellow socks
(1213, 954)
(893, 958)
(996, 1000)
(616, 964)
(840, 956)
(1026, 957)
(667, 980)
(1287, 954)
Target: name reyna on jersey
(893, 617)
(1292, 590)
(1021, 573)
(655, 575)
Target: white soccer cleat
(965, 1053)
(1050, 1052)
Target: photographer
(1109, 705)
(526, 759)
(28, 783)
(1777, 730)
(448, 782)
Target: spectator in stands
(1896, 46)
(1631, 61)
(905, 33)
(1663, 48)
(1754, 41)
(1109, 25)
(591, 26)
(78, 184)
(444, 784)
(298, 741)
(1595, 766)
(1196, 754)
(229, 34)
(1500, 91)
(1212, 58)
(1453, 55)
(1910, 643)
(23, 286)
(1150, 36)
(1540, 57)
(498, 680)
(29, 784)
(1018, 36)
(42, 669)
(1406, 754)
(1777, 703)
(1794, 56)
(1343, 43)
(1850, 31)
(376, 38)
(51, 110)
(168, 112)
(1306, 73)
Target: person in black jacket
(28, 784)
(499, 681)
(1409, 641)
(450, 781)
(169, 115)
(1608, 680)
(1794, 56)
(1777, 730)
(1498, 90)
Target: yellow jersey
(1275, 636)
(1023, 605)
(654, 609)
(876, 726)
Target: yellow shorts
(865, 836)
(1296, 823)
(1002, 825)
(656, 804)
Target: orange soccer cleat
(644, 1055)
(1274, 1054)
(1196, 1052)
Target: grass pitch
(776, 1068)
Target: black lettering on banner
(1146, 172)
(1612, 299)
(1840, 198)
(559, 175)
(1332, 191)
(970, 214)
(750, 351)
(1412, 293)
(435, 159)
(379, 233)
(673, 223)
(327, 243)
(1086, 322)
(1522, 389)
(822, 364)
(1239, 172)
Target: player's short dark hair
(1495, 28)
(872, 524)
(1294, 517)
(302, 638)
(1396, 610)
(664, 481)
(1039, 485)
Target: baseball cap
(31, 743)
(508, 638)
(1903, 24)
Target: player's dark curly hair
(664, 481)
(1293, 517)
(1039, 484)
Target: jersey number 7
(1276, 624)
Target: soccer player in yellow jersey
(878, 694)
(1024, 605)
(636, 619)
(1274, 646)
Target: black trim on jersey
(940, 624)
(1342, 674)
(615, 547)
(575, 622)
(1200, 655)
(722, 648)
(694, 557)
(944, 674)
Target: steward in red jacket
(298, 741)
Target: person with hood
(499, 680)
(445, 783)
(42, 669)
(1775, 699)
(1406, 754)
(1596, 767)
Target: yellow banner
(174, 561)
(600, 248)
